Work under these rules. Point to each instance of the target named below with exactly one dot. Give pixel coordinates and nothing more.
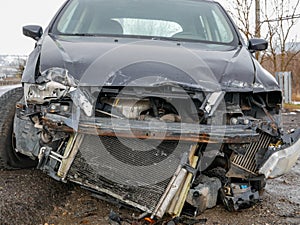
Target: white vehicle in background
(3, 76)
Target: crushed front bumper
(155, 130)
(97, 157)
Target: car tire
(9, 158)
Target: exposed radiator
(134, 170)
(247, 161)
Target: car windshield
(170, 19)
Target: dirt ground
(30, 197)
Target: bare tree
(279, 23)
(242, 13)
(295, 67)
(280, 17)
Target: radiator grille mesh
(247, 161)
(134, 169)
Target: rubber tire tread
(9, 158)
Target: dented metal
(250, 139)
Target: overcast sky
(16, 13)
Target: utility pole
(257, 23)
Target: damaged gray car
(159, 105)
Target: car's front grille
(133, 169)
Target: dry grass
(296, 97)
(291, 107)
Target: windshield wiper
(82, 34)
(166, 38)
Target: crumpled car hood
(122, 62)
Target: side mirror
(33, 31)
(257, 44)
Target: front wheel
(9, 158)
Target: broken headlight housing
(53, 83)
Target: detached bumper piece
(280, 162)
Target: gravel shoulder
(30, 197)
